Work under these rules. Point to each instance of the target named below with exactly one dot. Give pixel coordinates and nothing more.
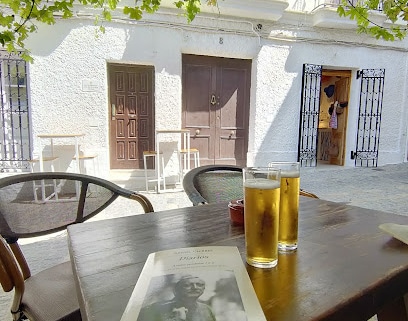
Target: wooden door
(216, 107)
(131, 114)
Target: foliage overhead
(394, 10)
(18, 18)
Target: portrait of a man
(184, 306)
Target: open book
(195, 283)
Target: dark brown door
(131, 93)
(216, 107)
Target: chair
(42, 186)
(49, 295)
(51, 160)
(307, 194)
(162, 178)
(82, 163)
(213, 184)
(183, 158)
(217, 183)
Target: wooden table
(345, 268)
(51, 137)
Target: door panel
(216, 107)
(232, 116)
(131, 114)
(309, 115)
(198, 80)
(369, 120)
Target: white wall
(69, 55)
(278, 98)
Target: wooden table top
(60, 135)
(345, 267)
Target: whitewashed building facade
(253, 80)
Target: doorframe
(312, 89)
(342, 115)
(216, 63)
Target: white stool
(83, 159)
(183, 159)
(44, 198)
(50, 160)
(152, 153)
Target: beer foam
(261, 183)
(290, 174)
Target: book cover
(194, 284)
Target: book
(398, 231)
(195, 283)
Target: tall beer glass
(261, 219)
(289, 204)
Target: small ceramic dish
(236, 212)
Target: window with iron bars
(15, 140)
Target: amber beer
(261, 208)
(289, 205)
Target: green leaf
(107, 15)
(113, 4)
(6, 36)
(179, 4)
(134, 13)
(341, 12)
(26, 56)
(14, 5)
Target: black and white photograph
(210, 295)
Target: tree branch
(28, 16)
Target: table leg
(78, 166)
(41, 155)
(52, 147)
(41, 170)
(188, 150)
(157, 159)
(183, 146)
(186, 158)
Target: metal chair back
(36, 204)
(213, 184)
(217, 183)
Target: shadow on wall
(281, 139)
(144, 44)
(54, 35)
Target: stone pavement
(382, 188)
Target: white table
(185, 139)
(51, 137)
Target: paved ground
(383, 188)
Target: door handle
(213, 100)
(197, 132)
(232, 133)
(113, 108)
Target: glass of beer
(289, 204)
(261, 218)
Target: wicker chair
(213, 184)
(217, 183)
(38, 204)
